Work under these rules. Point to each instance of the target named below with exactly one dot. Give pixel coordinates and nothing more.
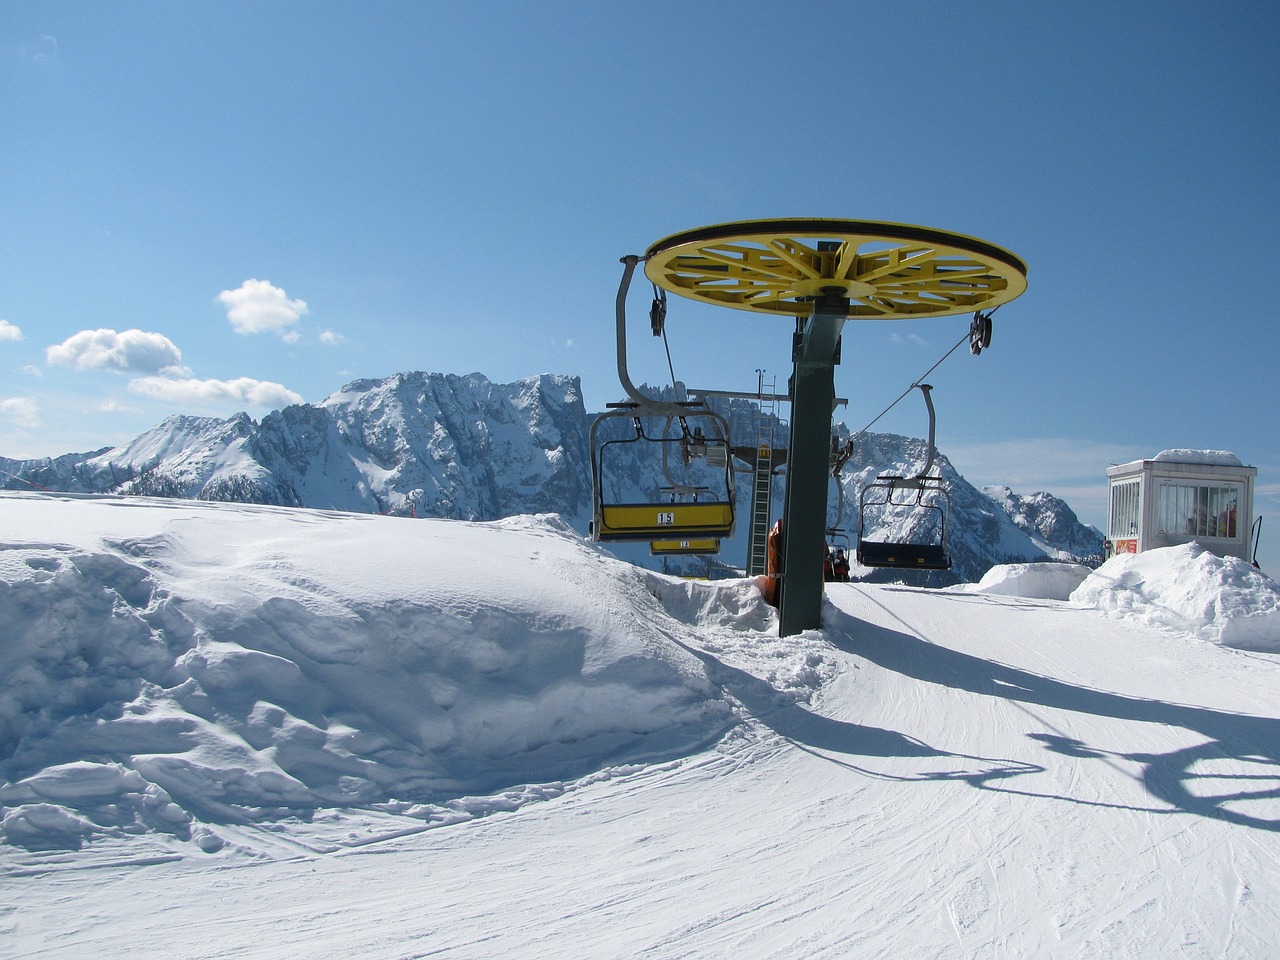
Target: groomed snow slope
(245, 732)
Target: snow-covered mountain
(1047, 520)
(413, 444)
(200, 458)
(462, 447)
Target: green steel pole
(804, 517)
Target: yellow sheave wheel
(889, 271)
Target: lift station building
(1180, 496)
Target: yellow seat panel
(664, 521)
(707, 545)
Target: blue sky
(210, 208)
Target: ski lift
(926, 497)
(680, 548)
(837, 535)
(686, 510)
(691, 510)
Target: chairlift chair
(692, 511)
(684, 548)
(686, 511)
(837, 534)
(924, 495)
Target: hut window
(1198, 510)
(1124, 509)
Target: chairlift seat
(925, 555)
(677, 548)
(710, 519)
(903, 556)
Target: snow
(244, 731)
(1222, 458)
(1191, 590)
(1041, 581)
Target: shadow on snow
(1249, 742)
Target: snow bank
(1039, 581)
(175, 667)
(1221, 599)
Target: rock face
(462, 447)
(1049, 521)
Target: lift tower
(822, 273)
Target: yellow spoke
(848, 260)
(721, 265)
(896, 260)
(753, 263)
(871, 304)
(807, 267)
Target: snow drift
(168, 666)
(1190, 590)
(177, 667)
(1041, 581)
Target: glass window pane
(1198, 510)
(1124, 509)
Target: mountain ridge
(462, 447)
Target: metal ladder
(762, 484)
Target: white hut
(1180, 496)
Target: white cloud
(133, 351)
(915, 338)
(112, 405)
(258, 307)
(1027, 464)
(9, 331)
(331, 337)
(1267, 491)
(242, 391)
(31, 370)
(43, 51)
(22, 412)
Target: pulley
(980, 332)
(658, 311)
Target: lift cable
(657, 322)
(980, 321)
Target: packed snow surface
(239, 731)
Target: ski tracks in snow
(931, 775)
(1139, 810)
